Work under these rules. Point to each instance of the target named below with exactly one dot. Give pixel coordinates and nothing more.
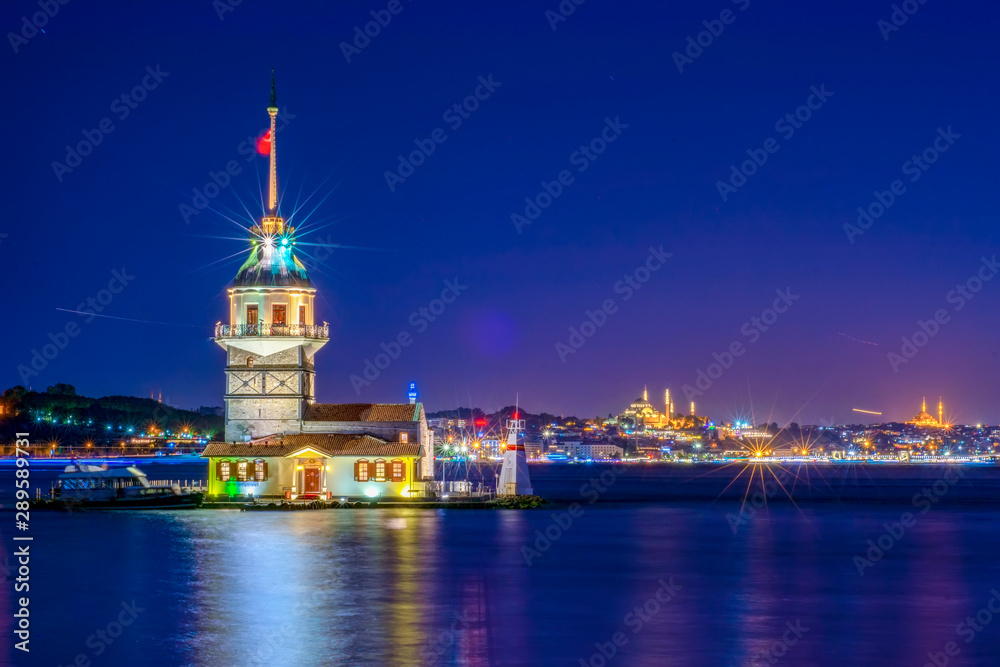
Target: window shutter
(357, 471)
(218, 471)
(265, 471)
(371, 470)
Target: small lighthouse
(514, 479)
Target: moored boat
(83, 486)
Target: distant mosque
(641, 413)
(926, 420)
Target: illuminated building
(593, 450)
(279, 440)
(641, 414)
(926, 420)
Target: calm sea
(671, 579)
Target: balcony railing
(263, 329)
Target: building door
(311, 481)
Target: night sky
(655, 185)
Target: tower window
(404, 437)
(252, 315)
(278, 315)
(249, 362)
(302, 314)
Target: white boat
(99, 487)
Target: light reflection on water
(432, 587)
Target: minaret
(514, 479)
(271, 337)
(645, 395)
(923, 406)
(940, 411)
(666, 401)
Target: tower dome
(272, 263)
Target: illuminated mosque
(641, 413)
(926, 420)
(281, 443)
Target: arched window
(398, 467)
(379, 470)
(361, 471)
(249, 362)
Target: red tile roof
(330, 444)
(364, 412)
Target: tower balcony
(265, 330)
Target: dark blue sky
(656, 184)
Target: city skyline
(638, 243)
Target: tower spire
(272, 174)
(923, 406)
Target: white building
(593, 450)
